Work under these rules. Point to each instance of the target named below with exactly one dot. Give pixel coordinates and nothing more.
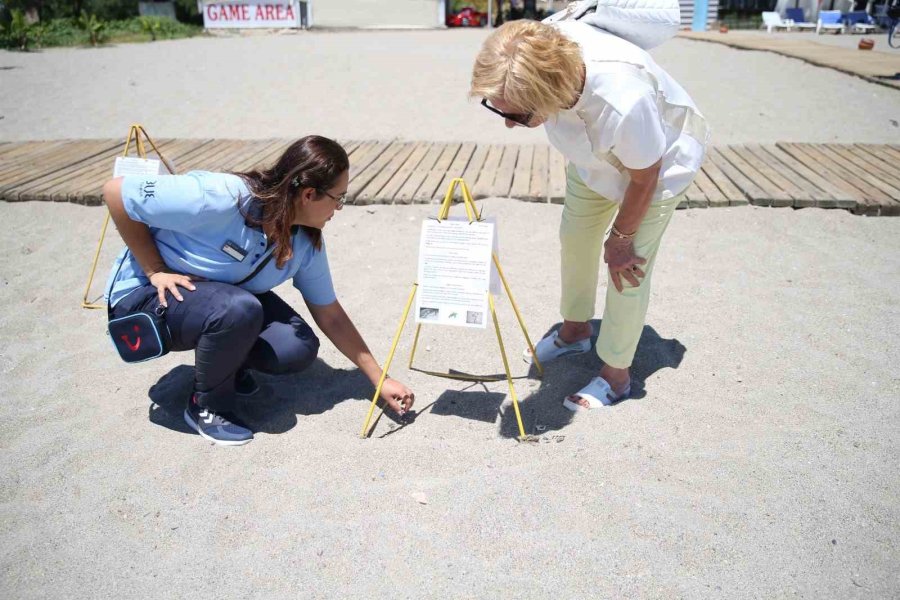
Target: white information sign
(231, 14)
(131, 165)
(454, 272)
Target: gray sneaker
(215, 427)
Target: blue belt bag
(141, 336)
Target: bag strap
(258, 268)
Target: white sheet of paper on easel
(132, 165)
(454, 272)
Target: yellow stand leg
(134, 133)
(512, 388)
(387, 365)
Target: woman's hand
(619, 256)
(164, 281)
(398, 397)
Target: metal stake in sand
(473, 215)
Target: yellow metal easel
(474, 215)
(135, 134)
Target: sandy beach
(386, 85)
(757, 458)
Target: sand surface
(389, 84)
(758, 458)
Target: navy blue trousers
(229, 329)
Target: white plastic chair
(772, 20)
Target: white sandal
(598, 393)
(552, 347)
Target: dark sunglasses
(521, 119)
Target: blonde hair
(529, 65)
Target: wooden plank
(725, 186)
(557, 191)
(365, 155)
(426, 191)
(367, 175)
(871, 153)
(882, 180)
(371, 193)
(537, 189)
(231, 152)
(473, 169)
(714, 195)
(776, 159)
(22, 167)
(747, 187)
(839, 197)
(505, 172)
(412, 185)
(883, 151)
(522, 173)
(268, 153)
(880, 169)
(204, 157)
(350, 145)
(29, 149)
(456, 169)
(695, 196)
(52, 186)
(13, 148)
(781, 176)
(485, 183)
(875, 198)
(877, 192)
(814, 160)
(48, 169)
(773, 195)
(393, 186)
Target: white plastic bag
(644, 23)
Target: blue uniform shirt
(199, 230)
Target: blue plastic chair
(796, 15)
(829, 20)
(858, 21)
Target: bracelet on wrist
(622, 236)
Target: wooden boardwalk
(876, 66)
(863, 178)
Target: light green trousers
(586, 218)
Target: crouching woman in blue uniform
(210, 247)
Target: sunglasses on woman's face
(520, 118)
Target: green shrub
(94, 27)
(17, 33)
(151, 26)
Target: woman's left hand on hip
(619, 256)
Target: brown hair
(311, 162)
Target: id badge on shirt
(234, 251)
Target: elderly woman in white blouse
(633, 139)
